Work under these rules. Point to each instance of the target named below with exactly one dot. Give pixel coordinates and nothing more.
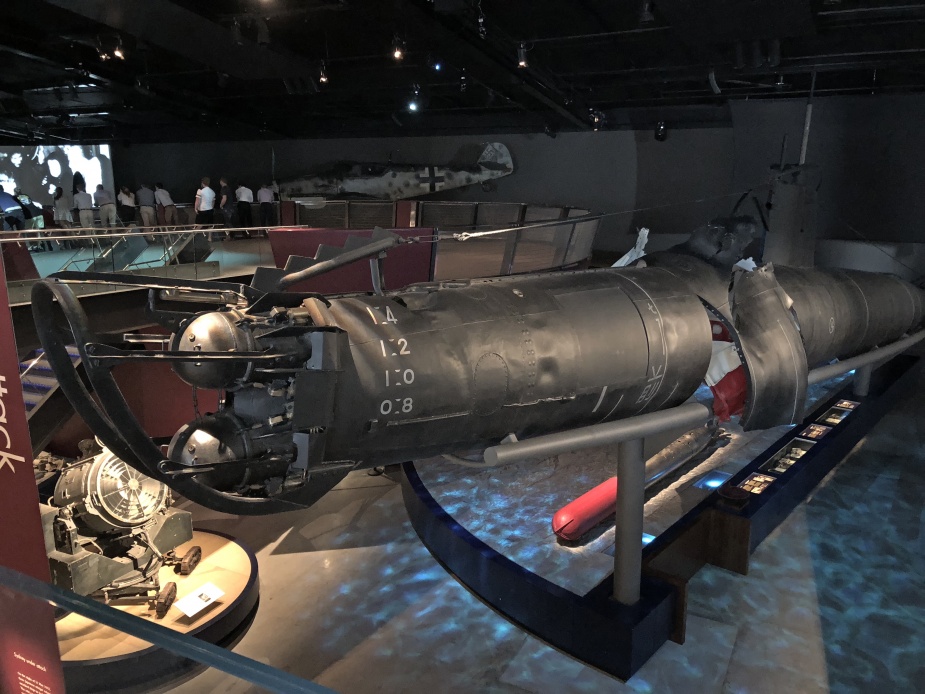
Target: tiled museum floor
(835, 600)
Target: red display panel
(29, 657)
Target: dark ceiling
(231, 69)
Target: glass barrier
(477, 257)
(107, 648)
(530, 238)
(182, 251)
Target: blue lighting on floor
(713, 480)
(647, 538)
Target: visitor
(226, 204)
(126, 200)
(146, 202)
(103, 200)
(64, 219)
(84, 203)
(63, 216)
(205, 203)
(164, 200)
(265, 198)
(244, 196)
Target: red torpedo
(577, 517)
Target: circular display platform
(98, 658)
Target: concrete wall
(869, 150)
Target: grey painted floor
(835, 600)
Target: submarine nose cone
(218, 331)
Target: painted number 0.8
(407, 404)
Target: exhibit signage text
(29, 657)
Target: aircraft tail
(496, 157)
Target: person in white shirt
(205, 203)
(244, 196)
(164, 200)
(126, 206)
(84, 202)
(63, 216)
(265, 198)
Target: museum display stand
(608, 626)
(97, 657)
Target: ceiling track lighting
(462, 81)
(661, 131)
(398, 48)
(646, 16)
(323, 74)
(522, 55)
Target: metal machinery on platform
(110, 529)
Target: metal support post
(862, 380)
(627, 557)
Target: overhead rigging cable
(466, 235)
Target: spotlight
(521, 55)
(434, 64)
(661, 131)
(597, 119)
(118, 52)
(398, 48)
(414, 103)
(462, 81)
(323, 74)
(646, 16)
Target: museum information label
(29, 658)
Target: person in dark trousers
(226, 204)
(244, 196)
(265, 198)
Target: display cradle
(721, 530)
(100, 658)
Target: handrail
(828, 371)
(222, 659)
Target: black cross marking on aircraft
(431, 178)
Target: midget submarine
(316, 386)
